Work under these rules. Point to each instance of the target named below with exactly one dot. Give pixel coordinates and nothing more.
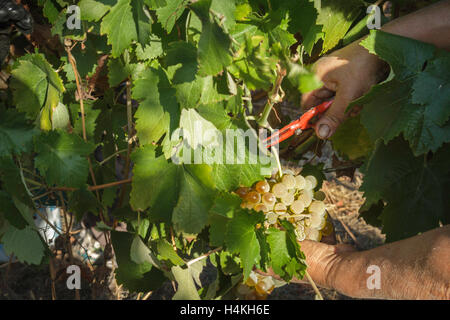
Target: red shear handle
(308, 115)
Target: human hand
(347, 74)
(11, 13)
(321, 259)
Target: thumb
(328, 123)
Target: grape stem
(191, 262)
(111, 156)
(273, 98)
(313, 284)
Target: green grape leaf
(82, 201)
(337, 18)
(225, 204)
(155, 4)
(60, 117)
(223, 209)
(141, 254)
(217, 229)
(154, 183)
(183, 53)
(351, 139)
(191, 211)
(404, 104)
(166, 252)
(16, 134)
(151, 50)
(197, 131)
(135, 277)
(224, 10)
(158, 112)
(119, 25)
(229, 176)
(61, 158)
(9, 211)
(177, 193)
(241, 238)
(12, 181)
(415, 194)
(142, 20)
(405, 55)
(49, 10)
(90, 117)
(214, 44)
(35, 83)
(93, 10)
(303, 79)
(432, 88)
(120, 71)
(282, 253)
(25, 244)
(169, 14)
(186, 289)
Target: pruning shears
(296, 127)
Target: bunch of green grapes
(257, 287)
(293, 198)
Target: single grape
(252, 279)
(305, 198)
(262, 186)
(253, 197)
(289, 181)
(297, 207)
(261, 207)
(308, 185)
(272, 218)
(317, 207)
(319, 195)
(300, 182)
(280, 208)
(279, 190)
(312, 180)
(288, 199)
(268, 199)
(317, 222)
(242, 191)
(265, 286)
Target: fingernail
(324, 131)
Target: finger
(328, 123)
(313, 98)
